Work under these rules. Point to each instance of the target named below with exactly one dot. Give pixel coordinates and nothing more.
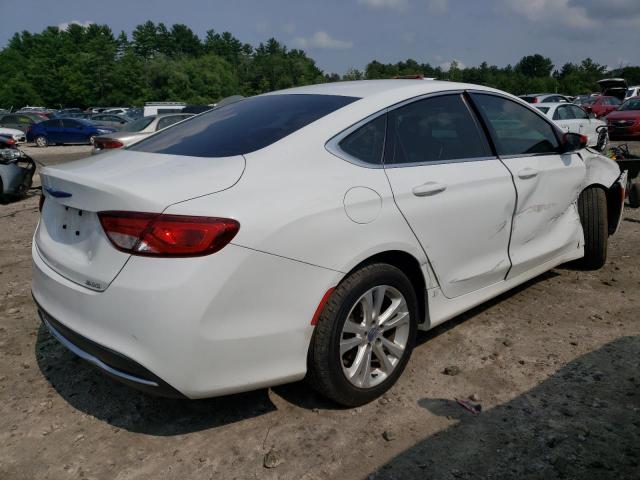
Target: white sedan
(309, 233)
(572, 118)
(18, 135)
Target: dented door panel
(546, 221)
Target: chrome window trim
(440, 162)
(333, 144)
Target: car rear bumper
(233, 321)
(110, 362)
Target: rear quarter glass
(242, 127)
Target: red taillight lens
(535, 100)
(160, 235)
(108, 143)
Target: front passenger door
(546, 224)
(455, 194)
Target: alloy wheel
(374, 336)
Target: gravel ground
(554, 365)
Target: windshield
(633, 104)
(137, 125)
(242, 127)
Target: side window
(516, 129)
(25, 120)
(10, 119)
(614, 101)
(367, 142)
(578, 112)
(166, 121)
(563, 113)
(434, 129)
(66, 123)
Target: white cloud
(445, 66)
(64, 25)
(438, 6)
(398, 5)
(322, 40)
(552, 12)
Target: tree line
(84, 66)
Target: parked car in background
(110, 120)
(116, 110)
(632, 92)
(545, 98)
(601, 105)
(137, 130)
(572, 118)
(18, 121)
(17, 135)
(16, 170)
(65, 130)
(625, 121)
(311, 232)
(155, 108)
(135, 113)
(613, 87)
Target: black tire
(325, 370)
(41, 141)
(634, 195)
(592, 207)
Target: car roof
(369, 88)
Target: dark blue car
(65, 130)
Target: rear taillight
(108, 143)
(153, 234)
(535, 100)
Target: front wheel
(41, 141)
(92, 139)
(592, 207)
(364, 336)
(634, 194)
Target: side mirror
(572, 142)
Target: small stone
(507, 343)
(521, 362)
(573, 343)
(474, 397)
(451, 370)
(388, 436)
(272, 459)
(13, 310)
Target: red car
(602, 105)
(625, 122)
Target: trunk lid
(69, 237)
(613, 87)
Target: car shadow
(89, 391)
(581, 423)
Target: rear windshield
(137, 125)
(543, 109)
(528, 99)
(242, 127)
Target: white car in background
(571, 118)
(311, 232)
(18, 135)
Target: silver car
(137, 130)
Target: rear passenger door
(455, 194)
(546, 222)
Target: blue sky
(350, 33)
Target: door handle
(428, 189)
(526, 173)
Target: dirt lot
(554, 364)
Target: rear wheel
(41, 141)
(592, 207)
(364, 336)
(92, 139)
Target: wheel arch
(410, 266)
(614, 204)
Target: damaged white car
(311, 232)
